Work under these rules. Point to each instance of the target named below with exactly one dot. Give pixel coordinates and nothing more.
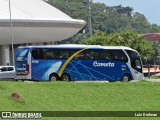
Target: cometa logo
(109, 64)
(21, 69)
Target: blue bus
(78, 63)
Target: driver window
(138, 64)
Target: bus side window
(106, 55)
(49, 55)
(37, 53)
(119, 55)
(79, 56)
(92, 54)
(34, 53)
(61, 54)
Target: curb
(152, 80)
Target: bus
(78, 63)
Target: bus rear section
(23, 63)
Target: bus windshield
(135, 60)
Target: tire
(65, 77)
(126, 78)
(53, 77)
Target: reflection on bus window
(61, 54)
(92, 54)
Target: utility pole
(89, 19)
(11, 26)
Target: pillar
(4, 55)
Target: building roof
(35, 21)
(31, 9)
(152, 37)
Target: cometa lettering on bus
(96, 64)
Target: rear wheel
(53, 77)
(65, 77)
(126, 78)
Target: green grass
(87, 96)
(155, 77)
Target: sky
(149, 8)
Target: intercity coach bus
(78, 63)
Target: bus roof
(74, 46)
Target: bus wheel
(53, 77)
(65, 77)
(126, 78)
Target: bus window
(79, 56)
(106, 55)
(135, 60)
(119, 55)
(61, 54)
(48, 53)
(73, 51)
(37, 53)
(92, 54)
(138, 64)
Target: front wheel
(65, 77)
(53, 77)
(126, 78)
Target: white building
(33, 21)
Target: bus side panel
(36, 70)
(97, 70)
(41, 69)
(125, 69)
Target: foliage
(156, 56)
(123, 38)
(97, 39)
(76, 39)
(105, 18)
(110, 20)
(74, 8)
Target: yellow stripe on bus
(68, 60)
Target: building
(155, 37)
(32, 21)
(154, 69)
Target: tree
(110, 20)
(105, 18)
(127, 38)
(76, 39)
(98, 38)
(156, 56)
(124, 10)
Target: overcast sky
(150, 8)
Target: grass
(87, 96)
(155, 77)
